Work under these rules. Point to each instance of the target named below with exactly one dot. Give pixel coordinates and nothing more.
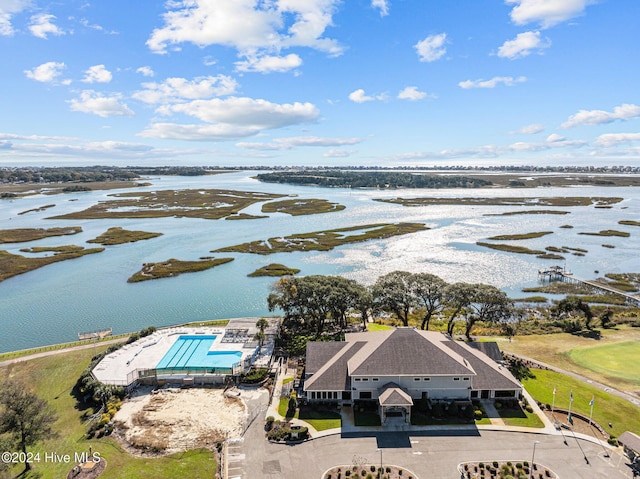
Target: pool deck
(147, 352)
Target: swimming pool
(194, 353)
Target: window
(456, 379)
(426, 379)
(465, 379)
(416, 379)
(365, 379)
(374, 379)
(357, 379)
(365, 394)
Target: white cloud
(269, 63)
(613, 139)
(382, 6)
(231, 118)
(177, 89)
(42, 25)
(359, 96)
(546, 12)
(146, 71)
(8, 8)
(338, 153)
(411, 93)
(530, 129)
(97, 74)
(218, 132)
(291, 142)
(431, 48)
(96, 103)
(46, 73)
(626, 111)
(247, 25)
(492, 83)
(554, 138)
(248, 111)
(523, 45)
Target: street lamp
(380, 472)
(533, 457)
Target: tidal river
(52, 304)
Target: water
(54, 303)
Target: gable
(406, 352)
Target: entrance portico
(394, 402)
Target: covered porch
(394, 404)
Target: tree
(262, 324)
(312, 303)
(429, 290)
(24, 417)
(488, 303)
(571, 304)
(457, 297)
(393, 293)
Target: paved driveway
(429, 455)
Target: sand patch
(172, 420)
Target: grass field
(597, 359)
(607, 408)
(610, 359)
(52, 378)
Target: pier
(559, 273)
(102, 333)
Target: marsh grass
(622, 234)
(210, 204)
(304, 206)
(117, 235)
(510, 248)
(522, 236)
(324, 240)
(174, 267)
(513, 201)
(274, 269)
(22, 235)
(15, 264)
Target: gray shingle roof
(333, 376)
(318, 353)
(631, 440)
(406, 352)
(392, 395)
(490, 348)
(489, 374)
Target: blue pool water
(193, 352)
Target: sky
(320, 82)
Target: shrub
(372, 468)
(528, 408)
(477, 414)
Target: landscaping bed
(504, 470)
(368, 471)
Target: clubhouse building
(399, 366)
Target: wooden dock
(102, 333)
(559, 273)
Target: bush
(477, 414)
(528, 408)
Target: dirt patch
(172, 420)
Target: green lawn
(53, 378)
(519, 417)
(378, 327)
(558, 349)
(321, 419)
(607, 408)
(610, 359)
(283, 405)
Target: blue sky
(320, 82)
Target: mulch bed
(579, 425)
